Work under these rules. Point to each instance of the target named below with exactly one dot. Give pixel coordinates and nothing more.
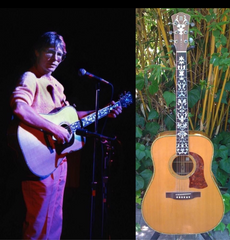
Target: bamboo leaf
(225, 164)
(228, 227)
(140, 82)
(221, 227)
(140, 121)
(226, 198)
(138, 132)
(146, 175)
(169, 97)
(152, 127)
(169, 121)
(153, 115)
(227, 86)
(193, 97)
(224, 97)
(153, 88)
(140, 151)
(139, 183)
(221, 176)
(223, 152)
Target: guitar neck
(91, 118)
(182, 128)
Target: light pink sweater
(42, 94)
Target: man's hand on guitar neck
(114, 112)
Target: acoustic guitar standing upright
(182, 196)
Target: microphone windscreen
(81, 72)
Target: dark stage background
(102, 42)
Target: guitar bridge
(182, 195)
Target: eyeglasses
(52, 53)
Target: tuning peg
(176, 32)
(191, 40)
(190, 48)
(192, 24)
(173, 48)
(175, 22)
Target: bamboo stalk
(208, 84)
(160, 23)
(226, 118)
(220, 119)
(205, 52)
(218, 105)
(143, 28)
(142, 59)
(191, 124)
(211, 98)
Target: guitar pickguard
(197, 180)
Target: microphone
(83, 72)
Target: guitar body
(182, 199)
(38, 150)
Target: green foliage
(221, 160)
(138, 227)
(222, 226)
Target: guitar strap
(48, 142)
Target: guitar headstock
(126, 99)
(180, 22)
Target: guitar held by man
(40, 152)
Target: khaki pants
(44, 201)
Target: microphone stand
(94, 184)
(83, 72)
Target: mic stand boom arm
(86, 133)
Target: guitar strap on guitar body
(48, 142)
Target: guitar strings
(183, 165)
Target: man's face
(50, 58)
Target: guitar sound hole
(182, 165)
(66, 126)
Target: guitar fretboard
(86, 121)
(182, 129)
